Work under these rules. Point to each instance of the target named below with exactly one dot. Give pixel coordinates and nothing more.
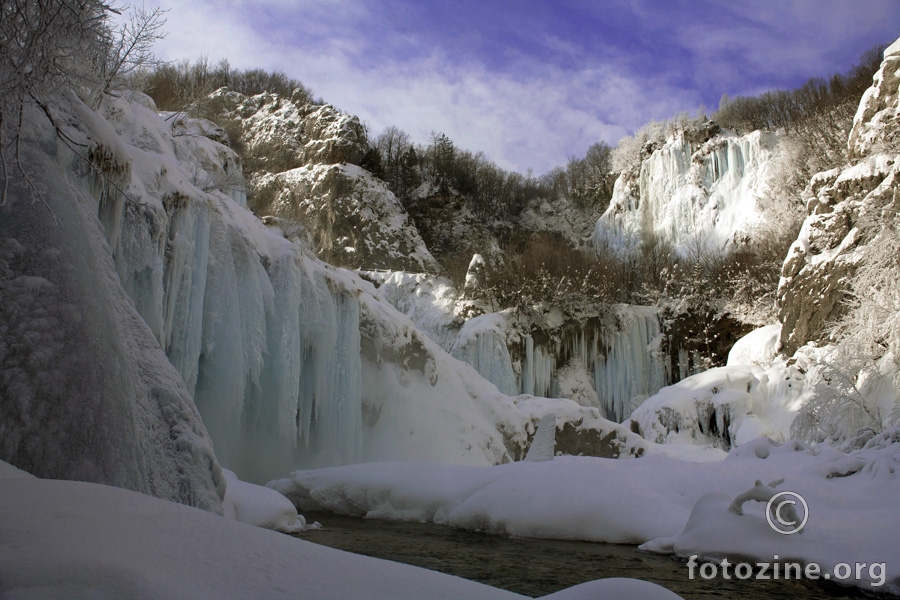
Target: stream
(534, 567)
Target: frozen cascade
(265, 341)
(632, 365)
(687, 191)
(272, 344)
(482, 343)
(537, 370)
(625, 358)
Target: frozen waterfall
(624, 357)
(688, 191)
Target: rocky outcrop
(876, 127)
(846, 209)
(355, 221)
(289, 131)
(303, 162)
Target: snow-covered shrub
(857, 394)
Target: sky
(528, 82)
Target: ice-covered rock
(725, 406)
(354, 219)
(291, 130)
(87, 392)
(544, 443)
(876, 126)
(303, 163)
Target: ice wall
(688, 191)
(85, 391)
(265, 338)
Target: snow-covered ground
(76, 540)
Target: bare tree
(131, 47)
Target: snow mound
(260, 506)
(614, 588)
(149, 549)
(758, 347)
(725, 406)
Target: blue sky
(531, 83)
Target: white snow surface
(759, 347)
(75, 540)
(678, 506)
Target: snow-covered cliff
(847, 208)
(691, 190)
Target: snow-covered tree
(52, 47)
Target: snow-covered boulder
(724, 407)
(260, 506)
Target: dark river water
(538, 567)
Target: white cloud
(532, 120)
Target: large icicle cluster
(612, 363)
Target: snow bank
(680, 506)
(850, 517)
(260, 506)
(66, 539)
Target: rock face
(846, 209)
(876, 127)
(304, 161)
